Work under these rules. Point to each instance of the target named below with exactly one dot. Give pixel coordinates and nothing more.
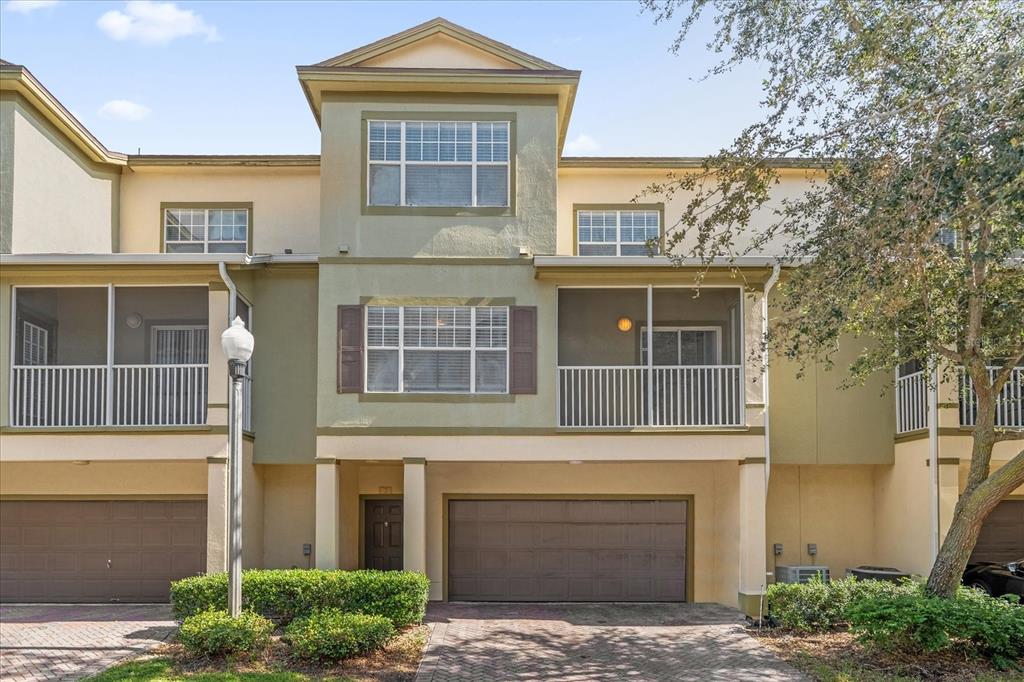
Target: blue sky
(219, 77)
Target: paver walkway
(72, 641)
(575, 642)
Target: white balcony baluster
(1009, 402)
(911, 402)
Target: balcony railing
(1009, 402)
(635, 396)
(90, 395)
(911, 402)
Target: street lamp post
(237, 343)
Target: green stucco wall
(342, 194)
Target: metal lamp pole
(238, 344)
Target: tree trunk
(972, 509)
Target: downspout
(232, 290)
(933, 451)
(764, 385)
(772, 279)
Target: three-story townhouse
(471, 360)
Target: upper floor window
(618, 232)
(459, 349)
(206, 230)
(438, 163)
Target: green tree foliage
(909, 119)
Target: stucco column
(328, 492)
(949, 492)
(414, 510)
(216, 514)
(752, 534)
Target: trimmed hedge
(989, 627)
(332, 635)
(399, 596)
(816, 605)
(215, 633)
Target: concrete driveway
(72, 641)
(575, 642)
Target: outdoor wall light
(624, 324)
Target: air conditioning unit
(800, 574)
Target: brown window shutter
(523, 349)
(350, 349)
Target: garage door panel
(1002, 535)
(94, 550)
(576, 550)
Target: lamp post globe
(237, 344)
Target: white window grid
(678, 331)
(35, 344)
(614, 229)
(396, 139)
(402, 327)
(213, 228)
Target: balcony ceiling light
(624, 324)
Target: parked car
(996, 579)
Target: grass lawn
(396, 662)
(837, 657)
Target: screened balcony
(109, 356)
(608, 379)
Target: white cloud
(123, 110)
(26, 6)
(581, 144)
(154, 23)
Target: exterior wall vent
(800, 574)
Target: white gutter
(656, 261)
(152, 258)
(764, 386)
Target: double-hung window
(456, 349)
(438, 163)
(618, 232)
(206, 230)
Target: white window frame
(206, 241)
(618, 243)
(154, 331)
(678, 329)
(474, 164)
(401, 348)
(30, 341)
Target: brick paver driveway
(593, 642)
(72, 641)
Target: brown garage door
(98, 551)
(1002, 536)
(567, 550)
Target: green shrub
(816, 605)
(331, 635)
(990, 627)
(215, 633)
(399, 596)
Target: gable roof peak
(435, 26)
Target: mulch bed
(395, 662)
(838, 656)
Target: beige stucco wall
(6, 171)
(285, 203)
(438, 52)
(342, 221)
(831, 506)
(60, 202)
(902, 503)
(103, 478)
(623, 185)
(288, 503)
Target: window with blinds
(438, 163)
(206, 230)
(437, 349)
(618, 233)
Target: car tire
(981, 586)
